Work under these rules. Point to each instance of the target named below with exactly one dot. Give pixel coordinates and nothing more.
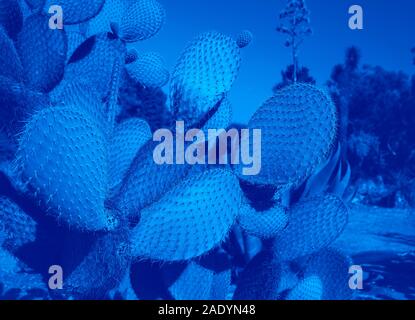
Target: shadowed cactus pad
(332, 268)
(78, 94)
(77, 11)
(189, 220)
(128, 138)
(42, 52)
(62, 155)
(195, 283)
(199, 283)
(10, 65)
(313, 224)
(244, 39)
(266, 224)
(11, 17)
(204, 73)
(310, 288)
(260, 279)
(299, 128)
(17, 103)
(18, 227)
(75, 39)
(35, 4)
(149, 70)
(16, 282)
(102, 269)
(94, 61)
(146, 181)
(131, 56)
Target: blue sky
(386, 39)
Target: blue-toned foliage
(80, 187)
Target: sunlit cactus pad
(66, 143)
(205, 71)
(299, 127)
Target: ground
(382, 241)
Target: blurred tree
(295, 23)
(341, 86)
(377, 112)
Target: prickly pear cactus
(196, 86)
(94, 62)
(313, 224)
(102, 269)
(10, 64)
(149, 70)
(310, 288)
(329, 266)
(18, 227)
(265, 225)
(260, 279)
(66, 144)
(11, 17)
(244, 39)
(129, 136)
(186, 223)
(84, 166)
(299, 129)
(142, 19)
(42, 52)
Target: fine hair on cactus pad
(313, 224)
(190, 220)
(63, 156)
(299, 129)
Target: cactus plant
(83, 166)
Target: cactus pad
(62, 155)
(128, 138)
(42, 52)
(299, 129)
(18, 227)
(313, 224)
(244, 39)
(149, 70)
(142, 19)
(204, 73)
(190, 220)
